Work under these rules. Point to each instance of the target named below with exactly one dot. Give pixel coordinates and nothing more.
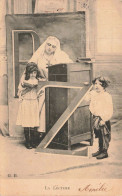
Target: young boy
(101, 107)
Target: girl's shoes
(34, 145)
(28, 146)
(34, 137)
(27, 138)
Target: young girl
(28, 113)
(101, 107)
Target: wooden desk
(78, 127)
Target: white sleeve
(107, 110)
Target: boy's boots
(97, 153)
(99, 150)
(103, 155)
(27, 138)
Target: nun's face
(50, 47)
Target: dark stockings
(27, 137)
(32, 137)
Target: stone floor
(18, 161)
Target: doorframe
(16, 32)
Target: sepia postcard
(60, 97)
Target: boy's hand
(102, 123)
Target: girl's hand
(102, 123)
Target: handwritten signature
(101, 187)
